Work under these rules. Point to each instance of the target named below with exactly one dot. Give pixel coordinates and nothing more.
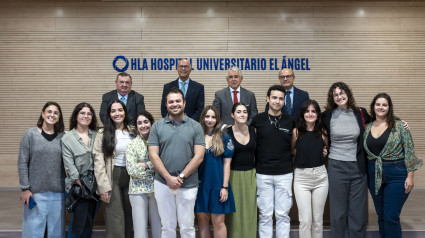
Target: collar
(186, 82)
(291, 90)
(238, 89)
(120, 96)
(74, 132)
(169, 121)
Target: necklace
(276, 120)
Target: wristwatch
(181, 175)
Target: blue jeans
(50, 210)
(390, 198)
(88, 230)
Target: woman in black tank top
(243, 222)
(310, 176)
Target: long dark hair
(391, 118)
(73, 119)
(59, 126)
(319, 129)
(108, 141)
(145, 114)
(351, 103)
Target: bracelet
(227, 188)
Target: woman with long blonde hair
(215, 196)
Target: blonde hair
(217, 141)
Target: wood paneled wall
(63, 51)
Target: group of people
(218, 162)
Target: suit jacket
(223, 101)
(195, 99)
(300, 96)
(361, 157)
(135, 104)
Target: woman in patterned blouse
(391, 164)
(141, 173)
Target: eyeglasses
(235, 77)
(285, 76)
(56, 113)
(89, 114)
(183, 66)
(340, 94)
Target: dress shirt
(120, 96)
(238, 95)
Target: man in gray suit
(225, 98)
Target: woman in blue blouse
(391, 164)
(215, 197)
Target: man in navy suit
(225, 98)
(133, 101)
(294, 97)
(193, 91)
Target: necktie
(288, 102)
(123, 100)
(183, 88)
(235, 97)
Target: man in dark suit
(132, 100)
(193, 91)
(294, 97)
(225, 98)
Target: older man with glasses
(294, 96)
(193, 91)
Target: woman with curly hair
(345, 123)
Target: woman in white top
(111, 175)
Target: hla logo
(212, 63)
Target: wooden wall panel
(63, 51)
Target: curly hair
(351, 103)
(391, 118)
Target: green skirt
(243, 222)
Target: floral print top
(141, 179)
(399, 146)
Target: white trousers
(311, 190)
(143, 205)
(274, 194)
(176, 206)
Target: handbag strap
(361, 112)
